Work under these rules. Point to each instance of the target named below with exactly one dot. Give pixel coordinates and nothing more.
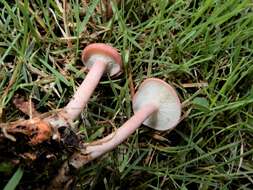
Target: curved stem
(95, 149)
(84, 91)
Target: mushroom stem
(95, 149)
(84, 91)
(111, 141)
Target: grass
(182, 42)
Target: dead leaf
(27, 107)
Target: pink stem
(84, 91)
(111, 141)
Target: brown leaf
(27, 107)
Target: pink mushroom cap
(164, 97)
(99, 52)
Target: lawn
(204, 48)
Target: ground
(202, 47)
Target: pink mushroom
(155, 104)
(99, 59)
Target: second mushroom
(155, 105)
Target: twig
(65, 21)
(195, 85)
(7, 135)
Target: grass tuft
(182, 42)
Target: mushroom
(155, 105)
(99, 59)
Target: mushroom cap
(99, 52)
(159, 93)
